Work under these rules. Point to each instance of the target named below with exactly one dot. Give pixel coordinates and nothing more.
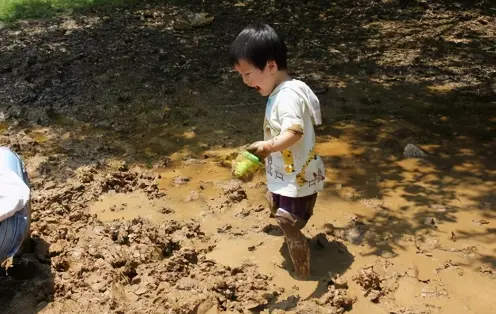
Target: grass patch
(11, 10)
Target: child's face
(262, 80)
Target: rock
(272, 230)
(321, 241)
(242, 213)
(131, 297)
(192, 20)
(167, 210)
(55, 249)
(224, 228)
(187, 284)
(141, 290)
(41, 306)
(98, 287)
(370, 281)
(194, 161)
(209, 306)
(354, 235)
(259, 208)
(286, 305)
(412, 151)
(439, 208)
(430, 221)
(192, 196)
(480, 222)
(181, 180)
(374, 295)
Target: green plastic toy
(245, 166)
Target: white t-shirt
(14, 193)
(297, 171)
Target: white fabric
(14, 193)
(297, 171)
(308, 96)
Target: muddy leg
(298, 247)
(270, 202)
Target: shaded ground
(82, 93)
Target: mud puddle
(112, 224)
(420, 251)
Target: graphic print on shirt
(279, 175)
(317, 178)
(287, 157)
(300, 177)
(268, 165)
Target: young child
(295, 173)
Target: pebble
(412, 151)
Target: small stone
(430, 221)
(193, 196)
(224, 228)
(374, 295)
(41, 306)
(439, 208)
(131, 297)
(354, 235)
(181, 180)
(141, 290)
(209, 306)
(167, 210)
(321, 241)
(480, 222)
(412, 151)
(259, 208)
(244, 212)
(55, 249)
(50, 185)
(98, 287)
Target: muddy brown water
(439, 271)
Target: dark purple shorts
(302, 207)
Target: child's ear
(272, 66)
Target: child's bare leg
(292, 215)
(270, 201)
(298, 247)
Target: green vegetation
(11, 10)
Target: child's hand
(259, 149)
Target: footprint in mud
(272, 230)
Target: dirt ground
(127, 119)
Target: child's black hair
(258, 44)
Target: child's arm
(289, 115)
(283, 141)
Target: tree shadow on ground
(28, 286)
